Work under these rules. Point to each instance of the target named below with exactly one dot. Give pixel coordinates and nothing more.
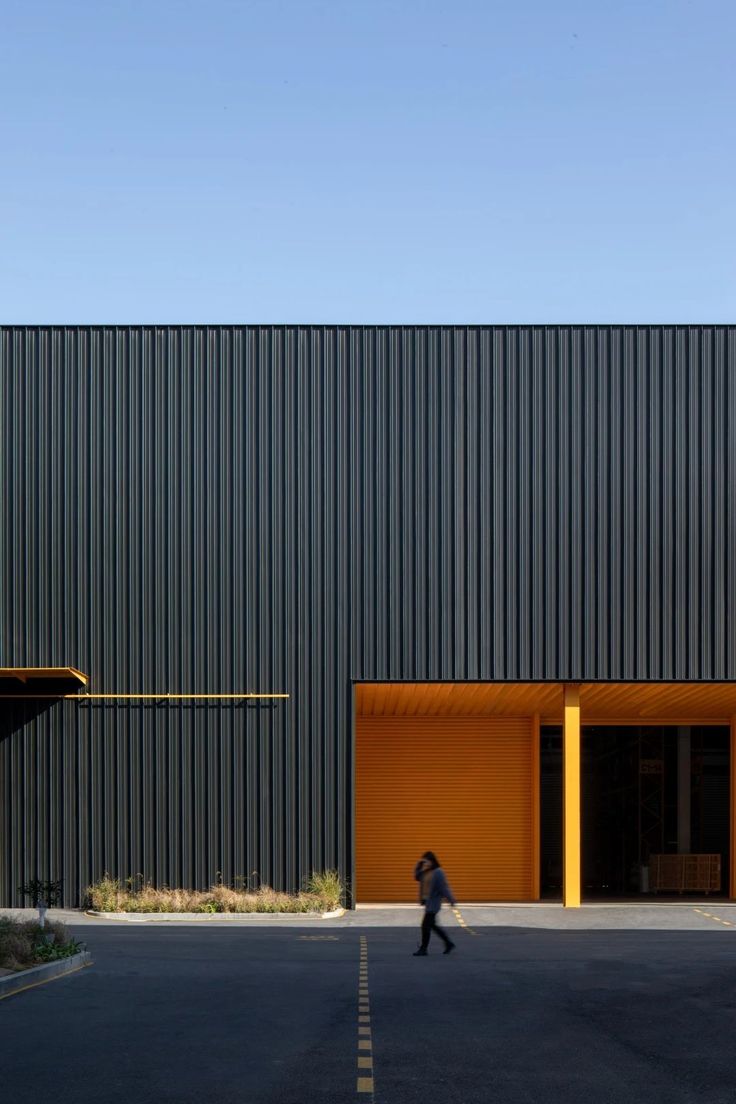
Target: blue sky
(410, 161)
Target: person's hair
(432, 858)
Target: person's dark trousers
(429, 925)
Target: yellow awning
(27, 675)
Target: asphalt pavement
(536, 1004)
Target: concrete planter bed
(209, 917)
(136, 900)
(34, 950)
(19, 980)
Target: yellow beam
(732, 863)
(673, 720)
(571, 879)
(140, 697)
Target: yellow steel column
(536, 831)
(732, 863)
(571, 797)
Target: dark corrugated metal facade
(192, 509)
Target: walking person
(433, 888)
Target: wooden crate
(685, 873)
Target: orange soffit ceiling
(458, 699)
(600, 702)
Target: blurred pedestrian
(433, 888)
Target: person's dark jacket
(431, 894)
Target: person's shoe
(420, 953)
(448, 948)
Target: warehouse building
(284, 598)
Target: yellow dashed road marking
(364, 1083)
(461, 921)
(726, 923)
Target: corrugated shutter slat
(459, 786)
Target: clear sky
(307, 161)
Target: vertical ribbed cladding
(193, 509)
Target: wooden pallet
(685, 873)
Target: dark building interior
(636, 803)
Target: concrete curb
(208, 917)
(39, 975)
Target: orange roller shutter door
(462, 787)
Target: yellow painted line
(44, 981)
(717, 919)
(364, 1081)
(461, 921)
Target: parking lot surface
(536, 1004)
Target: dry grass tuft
(326, 885)
(324, 893)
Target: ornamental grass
(323, 893)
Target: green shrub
(50, 952)
(105, 895)
(42, 892)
